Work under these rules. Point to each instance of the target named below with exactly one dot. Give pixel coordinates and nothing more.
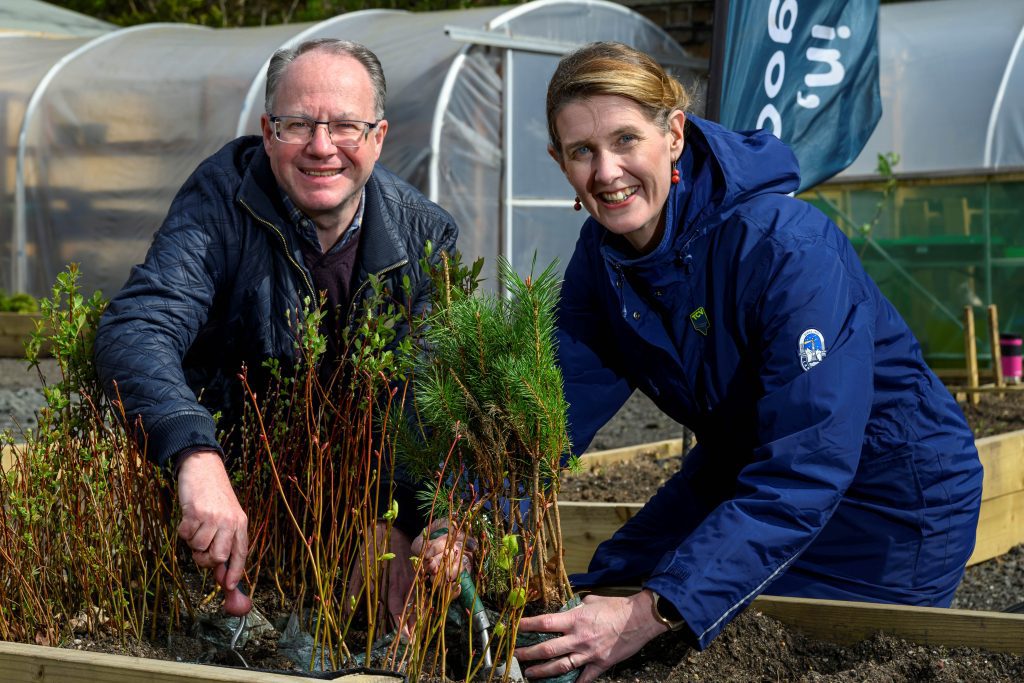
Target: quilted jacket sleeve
(152, 322)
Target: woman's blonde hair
(608, 68)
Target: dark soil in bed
(755, 647)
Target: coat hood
(724, 169)
(747, 163)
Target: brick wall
(688, 21)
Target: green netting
(936, 247)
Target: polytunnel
(949, 232)
(116, 125)
(36, 18)
(33, 37)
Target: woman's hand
(600, 632)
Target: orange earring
(675, 175)
(577, 206)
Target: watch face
(667, 613)
(667, 610)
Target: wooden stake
(971, 353)
(997, 351)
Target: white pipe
(538, 4)
(444, 97)
(508, 165)
(997, 104)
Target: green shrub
(18, 303)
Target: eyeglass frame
(368, 127)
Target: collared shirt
(307, 229)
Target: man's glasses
(299, 130)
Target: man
(258, 227)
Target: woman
(831, 463)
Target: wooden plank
(1002, 456)
(1000, 527)
(15, 329)
(959, 375)
(659, 449)
(7, 457)
(850, 622)
(22, 663)
(1000, 524)
(585, 525)
(846, 622)
(984, 389)
(971, 352)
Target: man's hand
(442, 555)
(399, 578)
(446, 555)
(214, 525)
(595, 635)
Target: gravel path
(638, 422)
(21, 394)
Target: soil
(754, 647)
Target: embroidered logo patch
(700, 321)
(812, 348)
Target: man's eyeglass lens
(299, 130)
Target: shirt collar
(306, 229)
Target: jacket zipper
(359, 290)
(287, 253)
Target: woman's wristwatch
(665, 612)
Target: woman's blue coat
(830, 463)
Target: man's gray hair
(362, 54)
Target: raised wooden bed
(36, 664)
(584, 525)
(831, 620)
(1000, 526)
(847, 623)
(15, 329)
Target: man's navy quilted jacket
(216, 288)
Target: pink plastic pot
(1010, 345)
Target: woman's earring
(675, 175)
(577, 206)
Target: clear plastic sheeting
(112, 131)
(112, 135)
(19, 77)
(43, 19)
(952, 84)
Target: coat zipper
(359, 290)
(288, 254)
